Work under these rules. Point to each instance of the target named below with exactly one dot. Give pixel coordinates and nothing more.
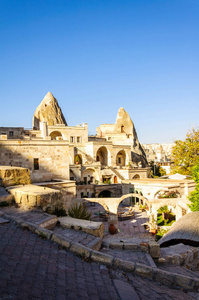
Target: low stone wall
(179, 254)
(37, 196)
(150, 247)
(94, 228)
(10, 176)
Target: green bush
(79, 211)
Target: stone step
(80, 237)
(131, 256)
(94, 228)
(35, 216)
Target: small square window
(36, 163)
(11, 133)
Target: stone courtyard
(35, 268)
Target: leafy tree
(194, 195)
(156, 170)
(194, 198)
(186, 153)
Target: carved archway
(137, 176)
(91, 175)
(121, 158)
(78, 159)
(104, 194)
(56, 135)
(102, 155)
(139, 196)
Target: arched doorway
(104, 194)
(78, 159)
(90, 176)
(137, 176)
(115, 179)
(102, 156)
(121, 158)
(56, 135)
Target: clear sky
(98, 55)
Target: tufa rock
(48, 111)
(124, 124)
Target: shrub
(79, 211)
(59, 211)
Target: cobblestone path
(35, 268)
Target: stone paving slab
(3, 221)
(125, 290)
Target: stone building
(160, 154)
(53, 150)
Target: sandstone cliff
(48, 111)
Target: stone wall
(53, 157)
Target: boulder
(10, 176)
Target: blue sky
(98, 55)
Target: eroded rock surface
(10, 176)
(48, 111)
(125, 124)
(33, 196)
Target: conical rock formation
(125, 124)
(48, 111)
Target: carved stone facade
(54, 150)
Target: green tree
(159, 171)
(186, 153)
(194, 195)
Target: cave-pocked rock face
(125, 124)
(48, 111)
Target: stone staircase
(42, 219)
(116, 172)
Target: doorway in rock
(105, 194)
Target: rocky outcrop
(10, 176)
(33, 196)
(48, 111)
(125, 125)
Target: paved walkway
(128, 228)
(35, 268)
